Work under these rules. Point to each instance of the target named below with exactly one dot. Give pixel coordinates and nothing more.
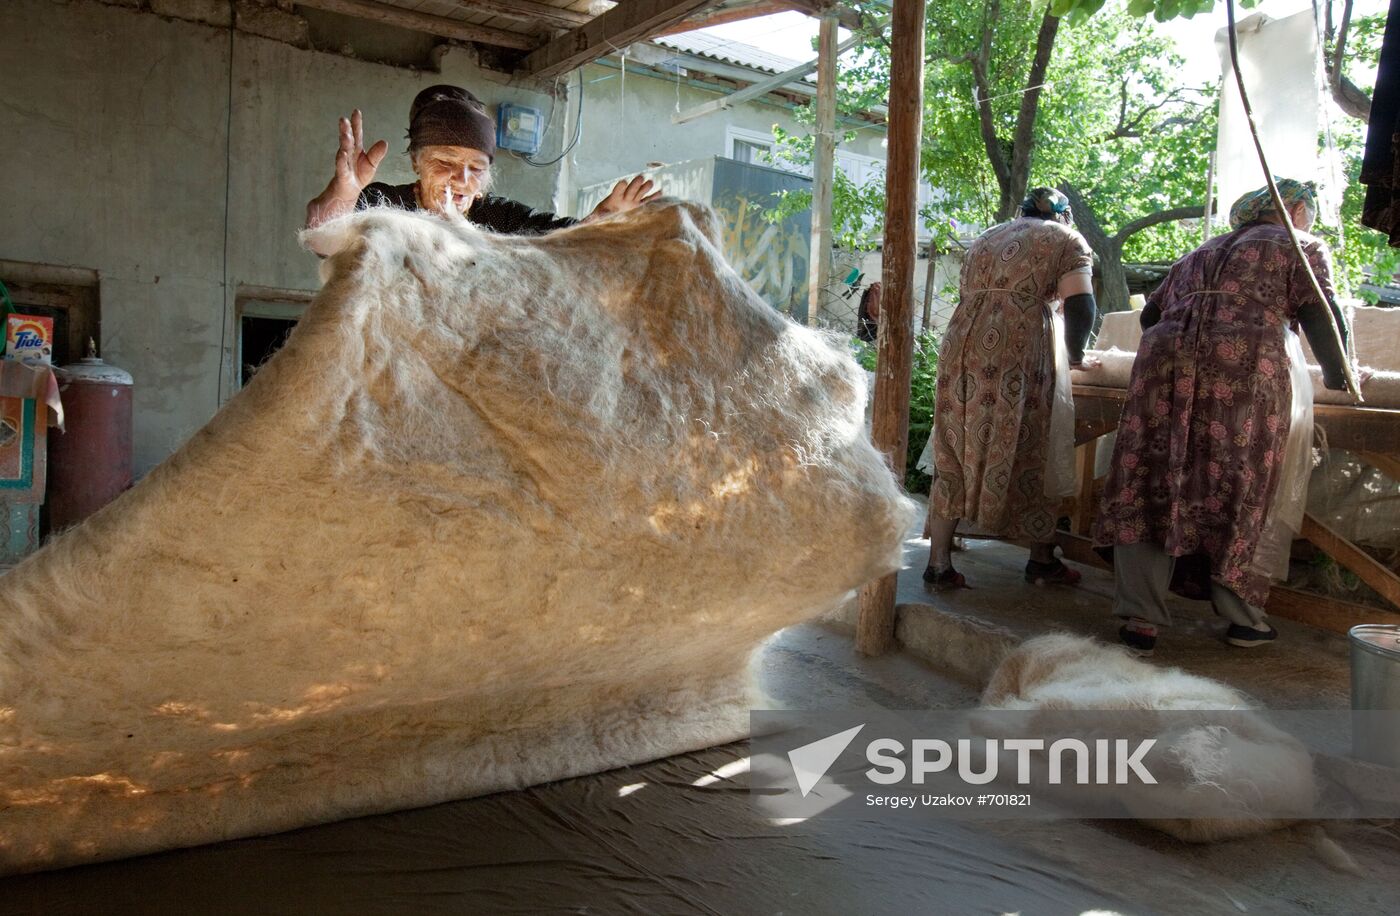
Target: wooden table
(1373, 434)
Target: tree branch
(1192, 211)
(1348, 96)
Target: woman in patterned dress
(1201, 440)
(996, 386)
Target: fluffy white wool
(502, 511)
(1221, 774)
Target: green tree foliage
(924, 385)
(1358, 252)
(1115, 119)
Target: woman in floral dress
(1201, 440)
(997, 376)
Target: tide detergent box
(29, 338)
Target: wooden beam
(1359, 429)
(1323, 612)
(894, 362)
(1389, 465)
(823, 171)
(1347, 554)
(730, 14)
(525, 11)
(629, 21)
(848, 18)
(423, 22)
(761, 88)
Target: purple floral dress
(1201, 440)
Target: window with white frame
(758, 148)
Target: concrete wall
(627, 124)
(177, 164)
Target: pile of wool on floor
(1228, 771)
(502, 511)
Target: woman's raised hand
(354, 169)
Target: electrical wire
(578, 132)
(228, 198)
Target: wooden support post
(823, 170)
(890, 422)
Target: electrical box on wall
(518, 128)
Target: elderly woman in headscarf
(451, 144)
(1003, 422)
(1201, 442)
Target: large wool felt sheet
(1375, 336)
(502, 511)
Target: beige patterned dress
(996, 378)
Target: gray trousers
(1141, 576)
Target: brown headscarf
(450, 116)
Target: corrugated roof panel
(719, 49)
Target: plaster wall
(627, 125)
(176, 160)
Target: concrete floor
(959, 636)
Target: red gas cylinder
(90, 464)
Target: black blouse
(498, 214)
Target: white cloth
(1285, 517)
(1280, 63)
(1059, 444)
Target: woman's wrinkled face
(450, 178)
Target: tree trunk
(1113, 292)
(1023, 141)
(1113, 286)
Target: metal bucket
(1375, 685)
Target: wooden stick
(1285, 218)
(890, 421)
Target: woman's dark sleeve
(510, 217)
(1152, 311)
(1316, 317)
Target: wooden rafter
(737, 13)
(526, 11)
(628, 22)
(423, 22)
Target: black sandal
(946, 579)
